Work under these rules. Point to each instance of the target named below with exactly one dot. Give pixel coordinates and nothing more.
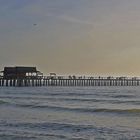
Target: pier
(65, 81)
(30, 76)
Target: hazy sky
(98, 37)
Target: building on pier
(20, 72)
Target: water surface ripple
(70, 113)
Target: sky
(82, 37)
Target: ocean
(70, 113)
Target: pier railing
(69, 81)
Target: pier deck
(69, 81)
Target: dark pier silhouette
(45, 81)
(29, 76)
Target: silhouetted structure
(29, 76)
(19, 72)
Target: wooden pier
(66, 81)
(21, 76)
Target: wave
(60, 131)
(3, 102)
(88, 110)
(48, 125)
(71, 99)
(35, 105)
(25, 135)
(123, 96)
(38, 130)
(17, 135)
(94, 110)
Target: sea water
(69, 113)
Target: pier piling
(65, 81)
